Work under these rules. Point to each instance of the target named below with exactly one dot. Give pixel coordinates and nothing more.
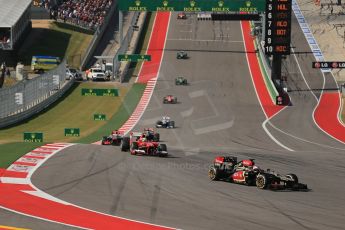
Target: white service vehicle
(97, 74)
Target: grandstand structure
(15, 23)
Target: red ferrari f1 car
(137, 143)
(169, 99)
(245, 172)
(114, 138)
(181, 15)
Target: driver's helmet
(143, 137)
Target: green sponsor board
(100, 92)
(99, 117)
(72, 132)
(33, 137)
(134, 57)
(193, 5)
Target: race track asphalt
(218, 113)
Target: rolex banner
(72, 132)
(100, 92)
(193, 5)
(33, 137)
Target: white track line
(318, 100)
(267, 119)
(158, 73)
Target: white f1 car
(165, 122)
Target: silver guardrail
(29, 97)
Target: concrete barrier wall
(97, 37)
(126, 45)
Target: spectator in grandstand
(47, 4)
(87, 13)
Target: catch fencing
(28, 97)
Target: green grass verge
(126, 109)
(268, 82)
(58, 39)
(12, 151)
(71, 111)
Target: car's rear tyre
(213, 173)
(124, 144)
(134, 146)
(159, 124)
(172, 124)
(162, 147)
(262, 181)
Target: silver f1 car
(165, 122)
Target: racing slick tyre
(162, 147)
(262, 181)
(134, 146)
(172, 124)
(213, 173)
(124, 144)
(159, 124)
(156, 137)
(165, 101)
